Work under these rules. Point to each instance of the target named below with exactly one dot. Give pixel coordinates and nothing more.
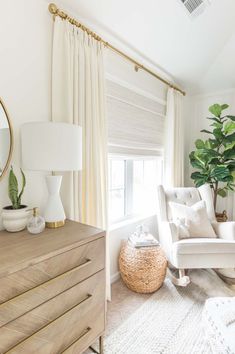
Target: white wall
(196, 111)
(25, 52)
(4, 147)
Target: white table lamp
(48, 146)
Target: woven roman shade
(135, 121)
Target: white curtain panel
(174, 140)
(78, 97)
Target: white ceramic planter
(15, 219)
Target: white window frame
(128, 186)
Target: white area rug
(169, 322)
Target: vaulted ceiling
(199, 53)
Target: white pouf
(219, 324)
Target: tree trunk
(215, 194)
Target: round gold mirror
(6, 139)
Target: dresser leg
(101, 343)
(101, 346)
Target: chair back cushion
(185, 196)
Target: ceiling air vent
(195, 7)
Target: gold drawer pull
(82, 335)
(88, 297)
(84, 264)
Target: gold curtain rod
(57, 12)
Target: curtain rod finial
(136, 68)
(52, 8)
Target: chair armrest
(168, 231)
(225, 230)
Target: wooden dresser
(52, 290)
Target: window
(136, 124)
(117, 189)
(132, 187)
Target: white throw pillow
(182, 227)
(195, 220)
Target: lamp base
(55, 224)
(54, 212)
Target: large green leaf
(229, 146)
(196, 175)
(229, 138)
(200, 183)
(224, 106)
(229, 154)
(220, 172)
(214, 143)
(217, 125)
(208, 144)
(206, 131)
(229, 127)
(206, 154)
(199, 178)
(215, 161)
(216, 109)
(231, 166)
(197, 164)
(222, 192)
(199, 144)
(218, 133)
(200, 157)
(23, 186)
(230, 185)
(227, 179)
(231, 117)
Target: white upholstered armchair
(194, 252)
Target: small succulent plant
(13, 191)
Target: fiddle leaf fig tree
(214, 158)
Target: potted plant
(214, 158)
(15, 216)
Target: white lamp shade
(48, 146)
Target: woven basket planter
(143, 270)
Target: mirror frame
(11, 140)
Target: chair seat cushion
(203, 245)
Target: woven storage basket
(143, 270)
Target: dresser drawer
(84, 299)
(59, 336)
(85, 264)
(86, 259)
